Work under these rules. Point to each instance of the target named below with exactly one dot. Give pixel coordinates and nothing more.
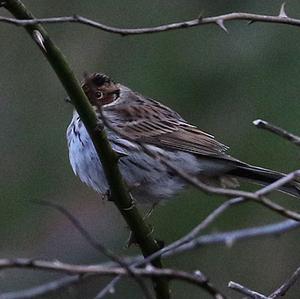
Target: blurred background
(220, 82)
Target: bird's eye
(99, 94)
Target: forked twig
(196, 278)
(227, 238)
(281, 291)
(286, 285)
(95, 244)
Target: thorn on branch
(39, 39)
(250, 22)
(282, 18)
(200, 274)
(200, 16)
(108, 289)
(76, 17)
(68, 100)
(220, 23)
(99, 127)
(282, 13)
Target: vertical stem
(109, 159)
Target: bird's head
(100, 89)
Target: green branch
(109, 159)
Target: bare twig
(193, 233)
(286, 285)
(278, 208)
(262, 124)
(83, 232)
(196, 278)
(46, 288)
(227, 238)
(230, 237)
(281, 18)
(278, 293)
(110, 286)
(95, 244)
(245, 291)
(281, 291)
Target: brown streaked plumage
(137, 119)
(148, 121)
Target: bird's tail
(265, 177)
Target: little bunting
(140, 120)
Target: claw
(107, 196)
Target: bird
(137, 123)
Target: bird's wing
(150, 122)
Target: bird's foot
(107, 196)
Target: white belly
(147, 178)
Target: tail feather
(265, 177)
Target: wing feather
(148, 121)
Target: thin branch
(231, 237)
(286, 285)
(95, 244)
(193, 233)
(108, 158)
(281, 291)
(262, 124)
(43, 289)
(227, 238)
(196, 278)
(278, 208)
(217, 20)
(83, 232)
(245, 291)
(110, 286)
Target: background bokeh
(220, 82)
